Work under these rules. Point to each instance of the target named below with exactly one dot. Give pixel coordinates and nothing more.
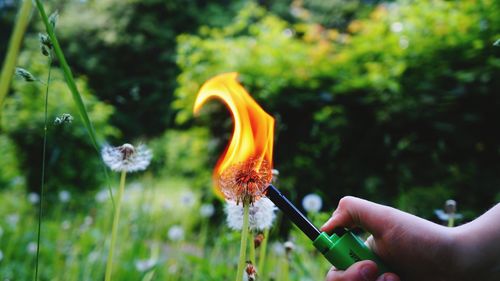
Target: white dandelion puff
(65, 225)
(312, 203)
(396, 27)
(13, 219)
(33, 198)
(64, 196)
(278, 248)
(188, 199)
(127, 157)
(145, 265)
(207, 210)
(261, 214)
(31, 247)
(102, 196)
(176, 233)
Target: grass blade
(16, 39)
(68, 75)
(70, 81)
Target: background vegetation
(392, 101)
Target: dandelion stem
(42, 183)
(451, 220)
(244, 238)
(263, 252)
(252, 248)
(116, 219)
(285, 268)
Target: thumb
(356, 212)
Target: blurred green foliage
(72, 162)
(393, 101)
(405, 100)
(127, 51)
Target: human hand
(415, 248)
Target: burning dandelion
(244, 170)
(245, 182)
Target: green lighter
(341, 249)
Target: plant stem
(23, 19)
(43, 170)
(451, 220)
(285, 269)
(252, 248)
(244, 238)
(70, 82)
(263, 252)
(116, 219)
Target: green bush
(72, 162)
(405, 98)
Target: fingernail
(368, 272)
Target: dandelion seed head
(167, 204)
(13, 219)
(312, 203)
(31, 247)
(93, 256)
(127, 157)
(261, 214)
(289, 246)
(450, 206)
(33, 198)
(277, 248)
(64, 196)
(102, 195)
(145, 265)
(250, 271)
(207, 210)
(188, 199)
(65, 225)
(245, 181)
(258, 239)
(396, 27)
(176, 233)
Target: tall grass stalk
(116, 219)
(42, 183)
(244, 239)
(22, 21)
(263, 252)
(70, 81)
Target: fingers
(360, 271)
(356, 212)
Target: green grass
(75, 239)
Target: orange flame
(244, 169)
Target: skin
(417, 249)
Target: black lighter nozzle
(292, 212)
